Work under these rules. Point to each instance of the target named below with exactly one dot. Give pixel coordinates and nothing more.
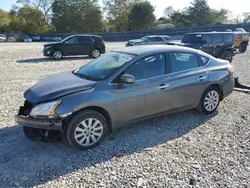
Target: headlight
(47, 47)
(46, 109)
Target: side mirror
(127, 79)
(202, 42)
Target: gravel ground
(179, 150)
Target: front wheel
(86, 129)
(209, 101)
(227, 55)
(57, 54)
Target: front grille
(26, 108)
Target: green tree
(5, 20)
(76, 16)
(142, 16)
(246, 17)
(199, 13)
(218, 16)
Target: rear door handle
(163, 86)
(201, 78)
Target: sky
(237, 7)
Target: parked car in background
(217, 44)
(57, 39)
(240, 30)
(11, 39)
(36, 38)
(3, 38)
(149, 40)
(241, 41)
(91, 45)
(26, 38)
(121, 87)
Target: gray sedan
(121, 87)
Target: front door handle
(201, 78)
(163, 86)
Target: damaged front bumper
(49, 124)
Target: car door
(70, 46)
(134, 101)
(207, 44)
(218, 44)
(86, 44)
(183, 87)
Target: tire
(95, 53)
(227, 55)
(80, 134)
(211, 93)
(57, 54)
(243, 48)
(33, 133)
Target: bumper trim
(51, 124)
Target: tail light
(103, 43)
(231, 70)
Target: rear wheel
(86, 129)
(95, 53)
(227, 55)
(243, 48)
(210, 100)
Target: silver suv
(149, 40)
(121, 87)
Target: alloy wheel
(211, 100)
(95, 53)
(88, 132)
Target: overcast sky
(237, 7)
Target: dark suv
(217, 44)
(91, 45)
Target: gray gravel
(179, 150)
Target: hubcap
(57, 55)
(229, 57)
(88, 132)
(96, 53)
(211, 101)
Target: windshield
(104, 66)
(145, 38)
(66, 39)
(191, 38)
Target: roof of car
(157, 36)
(213, 32)
(152, 49)
(83, 35)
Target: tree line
(47, 16)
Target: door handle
(201, 78)
(163, 86)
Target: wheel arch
(98, 109)
(220, 90)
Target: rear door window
(207, 38)
(85, 39)
(181, 61)
(218, 38)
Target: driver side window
(147, 67)
(73, 40)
